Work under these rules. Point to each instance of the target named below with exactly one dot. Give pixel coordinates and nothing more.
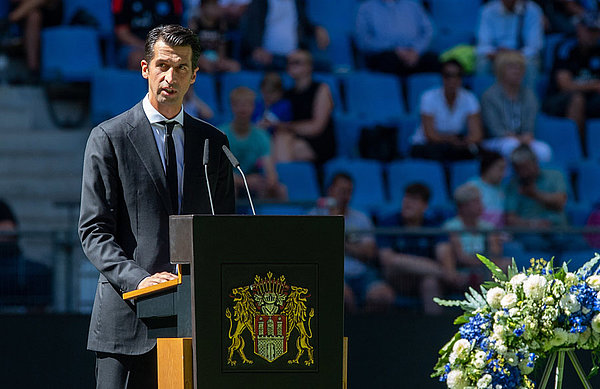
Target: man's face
(496, 172)
(242, 108)
(413, 207)
(169, 74)
(298, 65)
(527, 171)
(472, 208)
(509, 4)
(341, 191)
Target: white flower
(534, 286)
(517, 280)
(484, 381)
(513, 311)
(596, 323)
(461, 349)
(594, 282)
(569, 303)
(523, 366)
(512, 359)
(558, 288)
(479, 361)
(509, 300)
(584, 337)
(456, 380)
(571, 279)
(494, 296)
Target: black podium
(260, 296)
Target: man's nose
(169, 75)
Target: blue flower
(504, 376)
(475, 330)
(519, 331)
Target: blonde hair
(465, 193)
(272, 82)
(241, 93)
(507, 58)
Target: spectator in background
(309, 136)
(272, 108)
(394, 36)
(510, 25)
(450, 120)
(233, 10)
(252, 147)
(32, 16)
(509, 109)
(417, 264)
(22, 282)
(491, 173)
(363, 285)
(466, 244)
(208, 22)
(134, 20)
(574, 89)
(536, 198)
(272, 29)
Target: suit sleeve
(224, 200)
(101, 199)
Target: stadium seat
(280, 209)
(205, 89)
(461, 172)
(340, 53)
(408, 171)
(481, 82)
(551, 41)
(347, 135)
(588, 182)
(418, 83)
(562, 136)
(368, 180)
(577, 213)
(334, 85)
(374, 96)
(114, 91)
(592, 139)
(407, 125)
(230, 81)
(98, 9)
(455, 24)
(70, 53)
(335, 16)
(301, 181)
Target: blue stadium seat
(347, 134)
(455, 22)
(408, 171)
(280, 209)
(592, 139)
(481, 82)
(334, 85)
(576, 259)
(577, 213)
(70, 54)
(374, 96)
(99, 9)
(300, 179)
(562, 136)
(368, 180)
(230, 81)
(114, 91)
(339, 52)
(206, 89)
(588, 182)
(407, 126)
(418, 83)
(335, 16)
(461, 172)
(551, 41)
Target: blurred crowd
(491, 80)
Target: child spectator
(272, 108)
(251, 145)
(491, 173)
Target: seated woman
(309, 136)
(450, 120)
(509, 109)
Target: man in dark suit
(139, 168)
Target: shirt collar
(154, 116)
(519, 8)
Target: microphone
(236, 164)
(205, 163)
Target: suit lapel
(140, 135)
(194, 187)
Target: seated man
(252, 147)
(510, 25)
(536, 199)
(417, 264)
(363, 285)
(394, 36)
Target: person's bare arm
(322, 110)
(125, 36)
(567, 83)
(475, 128)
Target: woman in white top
(451, 126)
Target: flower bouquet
(520, 318)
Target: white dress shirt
(160, 133)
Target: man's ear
(193, 80)
(144, 66)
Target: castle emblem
(270, 310)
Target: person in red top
(135, 18)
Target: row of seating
(377, 184)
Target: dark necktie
(171, 166)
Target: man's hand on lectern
(156, 279)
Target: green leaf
(447, 303)
(513, 270)
(589, 265)
(494, 269)
(463, 319)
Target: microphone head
(231, 157)
(205, 155)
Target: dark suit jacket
(125, 210)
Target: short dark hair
(488, 159)
(340, 176)
(173, 35)
(418, 189)
(6, 213)
(452, 62)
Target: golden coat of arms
(270, 310)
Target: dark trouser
(442, 152)
(118, 371)
(389, 62)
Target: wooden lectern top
(152, 289)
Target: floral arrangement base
(519, 318)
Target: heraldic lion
(295, 310)
(243, 314)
